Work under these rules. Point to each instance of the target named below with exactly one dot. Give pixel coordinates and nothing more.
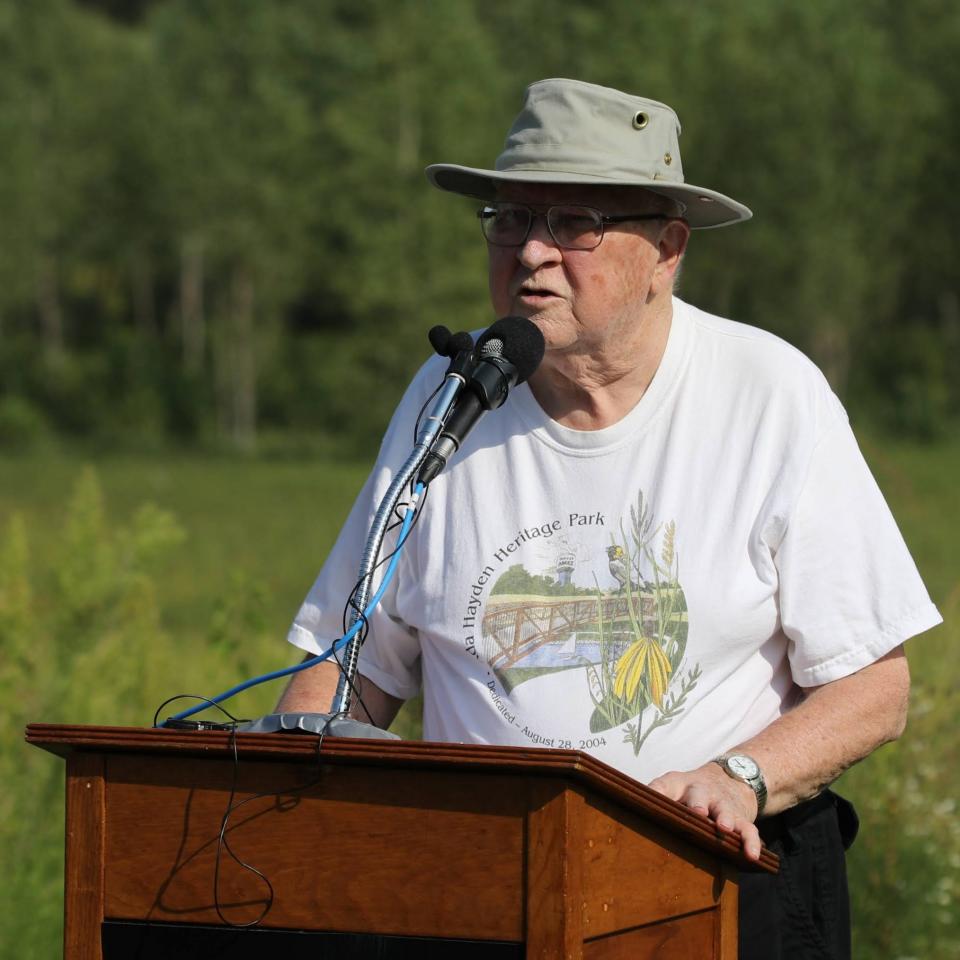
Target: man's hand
(709, 791)
(807, 748)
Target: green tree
(82, 642)
(403, 84)
(236, 158)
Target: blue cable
(338, 644)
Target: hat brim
(703, 208)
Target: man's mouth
(535, 294)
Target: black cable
(352, 604)
(223, 842)
(423, 409)
(352, 596)
(416, 429)
(195, 696)
(354, 689)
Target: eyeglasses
(572, 227)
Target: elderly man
(666, 549)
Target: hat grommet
(667, 159)
(640, 120)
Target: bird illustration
(618, 567)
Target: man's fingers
(669, 785)
(697, 799)
(728, 808)
(750, 836)
(692, 795)
(680, 787)
(723, 802)
(725, 815)
(730, 822)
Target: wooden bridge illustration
(520, 627)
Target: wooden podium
(443, 850)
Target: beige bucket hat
(574, 132)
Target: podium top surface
(578, 767)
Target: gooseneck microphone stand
(509, 351)
(428, 433)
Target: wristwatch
(747, 770)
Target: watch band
(741, 767)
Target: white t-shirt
(654, 592)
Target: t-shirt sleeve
(849, 589)
(393, 660)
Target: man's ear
(671, 245)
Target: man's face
(582, 300)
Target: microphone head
(458, 343)
(449, 344)
(517, 340)
(439, 337)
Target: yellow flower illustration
(643, 655)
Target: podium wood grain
(549, 848)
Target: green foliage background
(216, 234)
(153, 576)
(216, 224)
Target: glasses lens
(505, 224)
(576, 228)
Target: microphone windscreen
(458, 343)
(522, 343)
(439, 337)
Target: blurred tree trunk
(48, 307)
(193, 324)
(831, 350)
(409, 126)
(949, 309)
(245, 362)
(235, 362)
(144, 303)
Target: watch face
(743, 767)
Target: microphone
(507, 354)
(457, 346)
(448, 344)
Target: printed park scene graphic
(627, 633)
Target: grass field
(216, 578)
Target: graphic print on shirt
(606, 603)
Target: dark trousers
(802, 913)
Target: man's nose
(539, 247)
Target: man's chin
(557, 337)
(555, 324)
